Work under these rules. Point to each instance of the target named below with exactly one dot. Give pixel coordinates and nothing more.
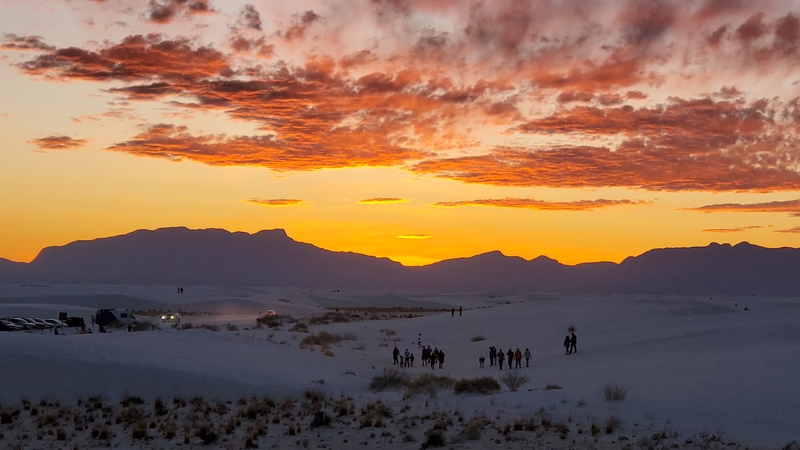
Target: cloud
(12, 41)
(413, 236)
(135, 58)
(59, 143)
(250, 18)
(787, 206)
(300, 24)
(543, 205)
(795, 230)
(733, 230)
(176, 143)
(165, 11)
(275, 202)
(382, 201)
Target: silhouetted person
(419, 340)
(441, 358)
(500, 358)
(573, 343)
(567, 344)
(527, 355)
(406, 355)
(492, 355)
(481, 360)
(510, 358)
(517, 359)
(395, 354)
(402, 361)
(459, 311)
(411, 360)
(452, 312)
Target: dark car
(6, 325)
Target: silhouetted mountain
(179, 256)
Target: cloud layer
(507, 93)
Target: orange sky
(410, 129)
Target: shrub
(474, 428)
(273, 321)
(231, 327)
(478, 338)
(612, 423)
(552, 386)
(514, 380)
(321, 419)
(327, 318)
(206, 434)
(614, 392)
(434, 438)
(428, 383)
(325, 339)
(389, 379)
(299, 327)
(481, 385)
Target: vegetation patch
(614, 392)
(481, 385)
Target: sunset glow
(410, 129)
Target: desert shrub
(159, 408)
(428, 383)
(612, 423)
(207, 434)
(614, 392)
(359, 347)
(6, 417)
(478, 338)
(581, 402)
(139, 430)
(552, 387)
(61, 435)
(274, 321)
(131, 400)
(328, 318)
(299, 327)
(377, 410)
(231, 327)
(514, 380)
(481, 385)
(207, 326)
(474, 428)
(389, 379)
(344, 406)
(434, 438)
(321, 419)
(322, 339)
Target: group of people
(571, 343)
(429, 357)
(514, 358)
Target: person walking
(411, 360)
(459, 311)
(518, 358)
(527, 355)
(510, 358)
(481, 360)
(395, 355)
(500, 358)
(452, 312)
(441, 358)
(567, 344)
(573, 343)
(492, 355)
(407, 355)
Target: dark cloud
(752, 29)
(276, 201)
(165, 11)
(59, 143)
(12, 41)
(250, 18)
(300, 24)
(733, 230)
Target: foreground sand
(701, 373)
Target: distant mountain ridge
(180, 256)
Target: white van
(115, 318)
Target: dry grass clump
(429, 384)
(514, 380)
(325, 339)
(481, 385)
(373, 414)
(299, 327)
(612, 423)
(434, 438)
(552, 387)
(328, 318)
(613, 392)
(190, 325)
(274, 321)
(474, 429)
(389, 379)
(478, 338)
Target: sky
(416, 130)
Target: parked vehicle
(115, 318)
(74, 322)
(41, 322)
(56, 323)
(6, 325)
(24, 323)
(270, 312)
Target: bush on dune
(614, 392)
(514, 380)
(389, 379)
(482, 385)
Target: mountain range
(180, 256)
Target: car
(56, 323)
(41, 322)
(170, 317)
(270, 312)
(24, 323)
(6, 325)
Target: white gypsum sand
(698, 371)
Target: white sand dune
(691, 364)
